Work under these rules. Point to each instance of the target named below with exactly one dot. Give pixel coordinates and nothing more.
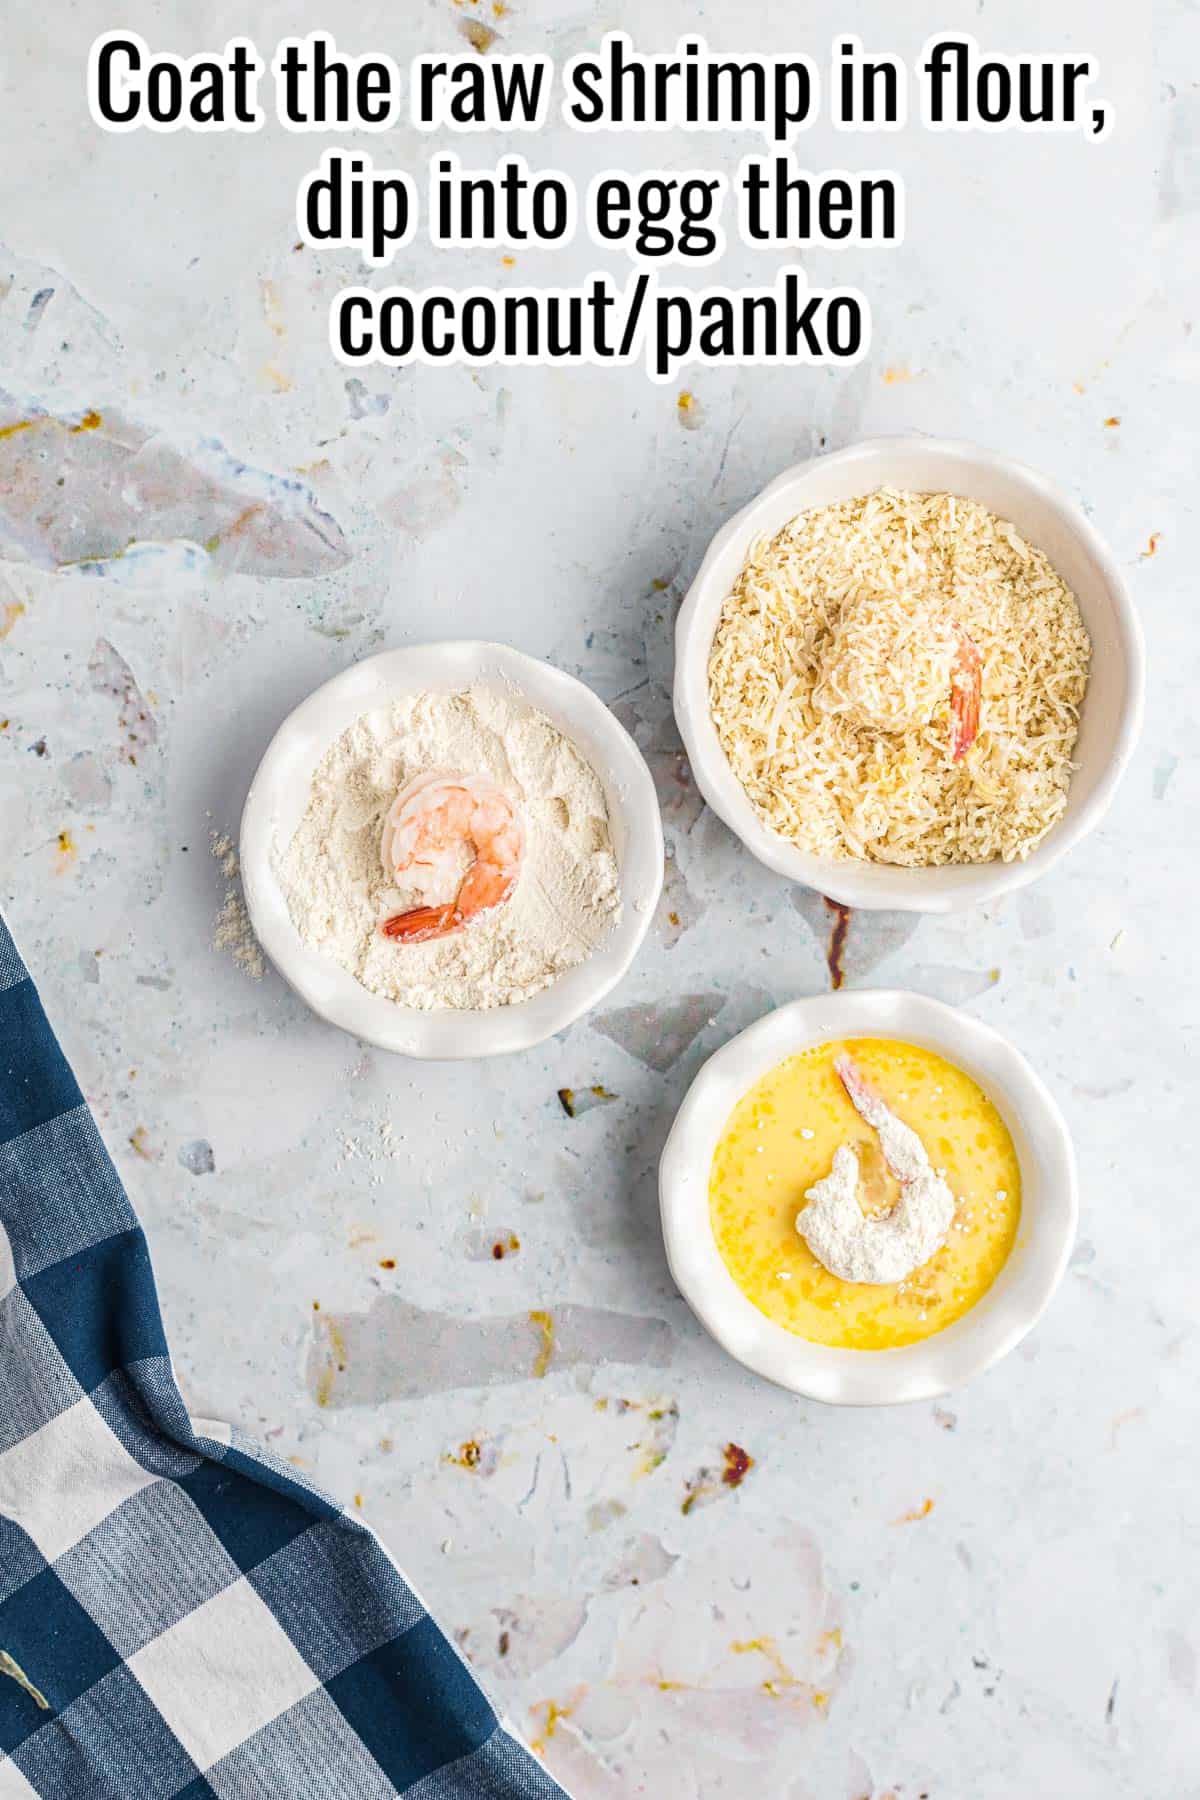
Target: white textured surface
(1035, 1631)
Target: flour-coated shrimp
(886, 1249)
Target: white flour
(568, 895)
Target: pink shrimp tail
(422, 922)
(966, 688)
(857, 1089)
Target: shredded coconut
(568, 893)
(831, 671)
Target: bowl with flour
(546, 755)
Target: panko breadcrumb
(830, 677)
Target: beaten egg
(780, 1139)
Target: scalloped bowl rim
(999, 1319)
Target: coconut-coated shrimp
(878, 1250)
(430, 825)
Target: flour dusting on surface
(233, 931)
(568, 894)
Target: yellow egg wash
(780, 1139)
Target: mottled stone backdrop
(434, 1288)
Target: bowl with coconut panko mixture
(909, 674)
(452, 850)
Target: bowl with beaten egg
(868, 1197)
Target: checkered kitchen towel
(180, 1615)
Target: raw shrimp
(430, 824)
(886, 1249)
(966, 687)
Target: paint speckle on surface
(477, 1456)
(87, 783)
(37, 307)
(836, 948)
(868, 939)
(491, 1243)
(781, 1681)
(576, 1101)
(110, 674)
(397, 1349)
(658, 1035)
(544, 1322)
(709, 1484)
(916, 1513)
(334, 1361)
(67, 853)
(139, 1143)
(197, 1157)
(603, 1513)
(549, 1715)
(363, 404)
(92, 492)
(481, 37)
(655, 1443)
(689, 410)
(424, 505)
(641, 1561)
(737, 1465)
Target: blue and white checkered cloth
(180, 1614)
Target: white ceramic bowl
(1112, 708)
(279, 795)
(1011, 1306)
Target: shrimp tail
(422, 922)
(966, 687)
(903, 1151)
(861, 1098)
